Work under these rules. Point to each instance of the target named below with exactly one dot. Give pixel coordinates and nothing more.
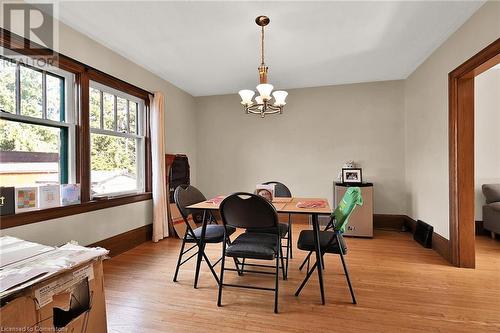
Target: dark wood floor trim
(127, 240)
(388, 221)
(442, 246)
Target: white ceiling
(210, 48)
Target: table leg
(201, 248)
(319, 259)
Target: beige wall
(306, 146)
(487, 133)
(426, 117)
(180, 138)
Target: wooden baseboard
(127, 240)
(480, 229)
(388, 221)
(441, 245)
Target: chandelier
(263, 104)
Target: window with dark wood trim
(124, 127)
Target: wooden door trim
(461, 153)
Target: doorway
(461, 153)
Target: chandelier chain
(262, 46)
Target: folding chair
(250, 211)
(285, 229)
(332, 241)
(184, 196)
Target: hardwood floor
(399, 286)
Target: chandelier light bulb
(279, 97)
(246, 96)
(265, 90)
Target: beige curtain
(160, 211)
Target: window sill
(15, 220)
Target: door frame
(461, 153)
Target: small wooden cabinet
(361, 220)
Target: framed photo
(352, 176)
(26, 199)
(70, 194)
(265, 191)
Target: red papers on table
(311, 204)
(217, 200)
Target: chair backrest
(280, 189)
(186, 195)
(247, 210)
(345, 208)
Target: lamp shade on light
(279, 97)
(246, 96)
(265, 90)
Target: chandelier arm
(272, 112)
(253, 111)
(273, 107)
(254, 107)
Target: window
(116, 140)
(65, 122)
(37, 130)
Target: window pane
(121, 114)
(95, 108)
(133, 117)
(31, 92)
(7, 86)
(109, 111)
(55, 88)
(113, 164)
(29, 154)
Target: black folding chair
(251, 212)
(184, 196)
(331, 241)
(285, 230)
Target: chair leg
(290, 234)
(201, 254)
(288, 253)
(347, 275)
(243, 266)
(221, 279)
(236, 262)
(180, 258)
(211, 267)
(309, 273)
(282, 261)
(276, 284)
(306, 260)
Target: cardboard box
(47, 289)
(72, 301)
